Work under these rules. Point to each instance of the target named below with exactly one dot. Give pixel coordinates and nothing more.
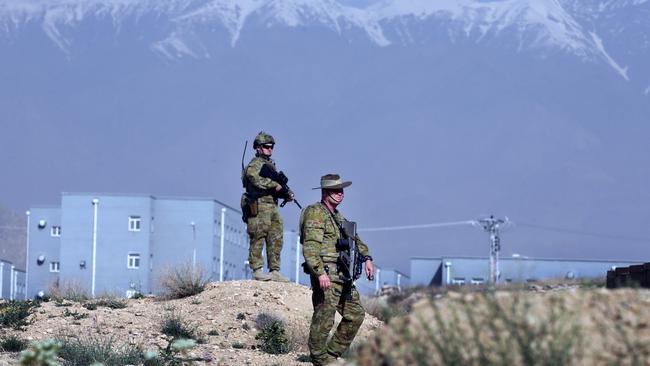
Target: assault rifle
(350, 261)
(281, 179)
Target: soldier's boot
(277, 276)
(322, 360)
(259, 275)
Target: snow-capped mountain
(587, 29)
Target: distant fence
(632, 276)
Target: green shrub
(176, 353)
(238, 345)
(213, 332)
(272, 334)
(241, 316)
(12, 343)
(61, 303)
(103, 350)
(112, 302)
(138, 295)
(14, 314)
(41, 354)
(182, 281)
(107, 301)
(74, 314)
(176, 327)
(90, 306)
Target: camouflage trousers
(326, 304)
(265, 227)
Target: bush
(112, 302)
(108, 301)
(61, 303)
(14, 314)
(138, 295)
(42, 353)
(176, 353)
(174, 326)
(479, 329)
(12, 343)
(93, 350)
(68, 290)
(75, 315)
(182, 281)
(90, 306)
(272, 334)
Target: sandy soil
(215, 309)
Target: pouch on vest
(249, 208)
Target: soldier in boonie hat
(320, 230)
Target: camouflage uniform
(267, 224)
(318, 235)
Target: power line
(584, 233)
(423, 226)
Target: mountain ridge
(537, 25)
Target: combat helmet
(263, 138)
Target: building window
(135, 223)
(55, 231)
(133, 261)
(55, 266)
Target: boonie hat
(332, 181)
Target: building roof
(529, 259)
(142, 195)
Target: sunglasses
(267, 146)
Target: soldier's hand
(370, 270)
(278, 188)
(290, 196)
(324, 281)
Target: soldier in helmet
(260, 207)
(319, 231)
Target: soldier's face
(266, 150)
(334, 196)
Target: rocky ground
(227, 309)
(559, 324)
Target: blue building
(12, 281)
(475, 270)
(109, 243)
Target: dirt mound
(224, 314)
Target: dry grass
(68, 290)
(479, 329)
(182, 281)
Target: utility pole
(492, 226)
